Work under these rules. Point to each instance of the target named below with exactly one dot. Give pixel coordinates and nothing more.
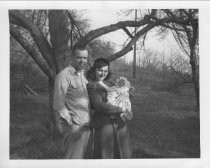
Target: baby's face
(123, 83)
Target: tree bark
(59, 36)
(195, 76)
(32, 51)
(40, 40)
(192, 36)
(51, 116)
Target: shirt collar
(73, 71)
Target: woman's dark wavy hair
(99, 63)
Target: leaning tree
(51, 34)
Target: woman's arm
(98, 104)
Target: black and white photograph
(92, 81)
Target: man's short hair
(78, 48)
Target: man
(71, 102)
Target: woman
(111, 139)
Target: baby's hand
(127, 115)
(123, 116)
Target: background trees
(49, 36)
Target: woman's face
(101, 73)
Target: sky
(103, 17)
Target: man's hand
(62, 122)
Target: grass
(165, 124)
(29, 137)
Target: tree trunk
(58, 27)
(51, 115)
(197, 92)
(38, 37)
(195, 78)
(59, 36)
(192, 38)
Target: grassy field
(165, 123)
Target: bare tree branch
(127, 32)
(171, 27)
(169, 13)
(74, 23)
(153, 13)
(186, 13)
(193, 11)
(33, 15)
(42, 43)
(140, 33)
(179, 41)
(107, 29)
(35, 54)
(128, 48)
(179, 74)
(182, 83)
(144, 39)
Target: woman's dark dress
(110, 134)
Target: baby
(118, 95)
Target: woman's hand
(120, 110)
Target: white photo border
(204, 48)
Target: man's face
(80, 59)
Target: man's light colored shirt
(71, 96)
